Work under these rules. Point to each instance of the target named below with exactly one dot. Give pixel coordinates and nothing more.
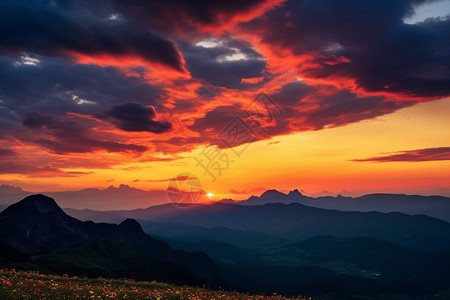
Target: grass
(33, 285)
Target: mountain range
(295, 222)
(92, 200)
(434, 206)
(287, 248)
(36, 226)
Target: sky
(348, 97)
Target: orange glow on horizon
(311, 161)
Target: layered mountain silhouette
(268, 244)
(37, 226)
(297, 222)
(435, 206)
(94, 199)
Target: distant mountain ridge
(434, 206)
(113, 196)
(77, 201)
(93, 198)
(38, 225)
(297, 221)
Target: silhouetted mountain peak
(125, 186)
(295, 193)
(226, 200)
(36, 203)
(121, 187)
(252, 198)
(91, 189)
(131, 224)
(272, 194)
(37, 224)
(9, 189)
(111, 187)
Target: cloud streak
(418, 155)
(65, 34)
(71, 137)
(135, 117)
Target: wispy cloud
(427, 154)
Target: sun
(209, 195)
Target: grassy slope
(31, 285)
(102, 258)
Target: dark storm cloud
(224, 64)
(5, 152)
(230, 126)
(180, 143)
(70, 137)
(385, 54)
(208, 92)
(36, 121)
(36, 171)
(216, 120)
(135, 117)
(324, 108)
(183, 14)
(292, 93)
(41, 84)
(17, 168)
(344, 108)
(314, 108)
(42, 28)
(54, 88)
(427, 154)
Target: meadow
(33, 285)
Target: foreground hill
(58, 243)
(26, 285)
(360, 266)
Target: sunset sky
(354, 96)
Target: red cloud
(179, 178)
(427, 154)
(70, 137)
(236, 192)
(37, 171)
(253, 80)
(325, 76)
(206, 15)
